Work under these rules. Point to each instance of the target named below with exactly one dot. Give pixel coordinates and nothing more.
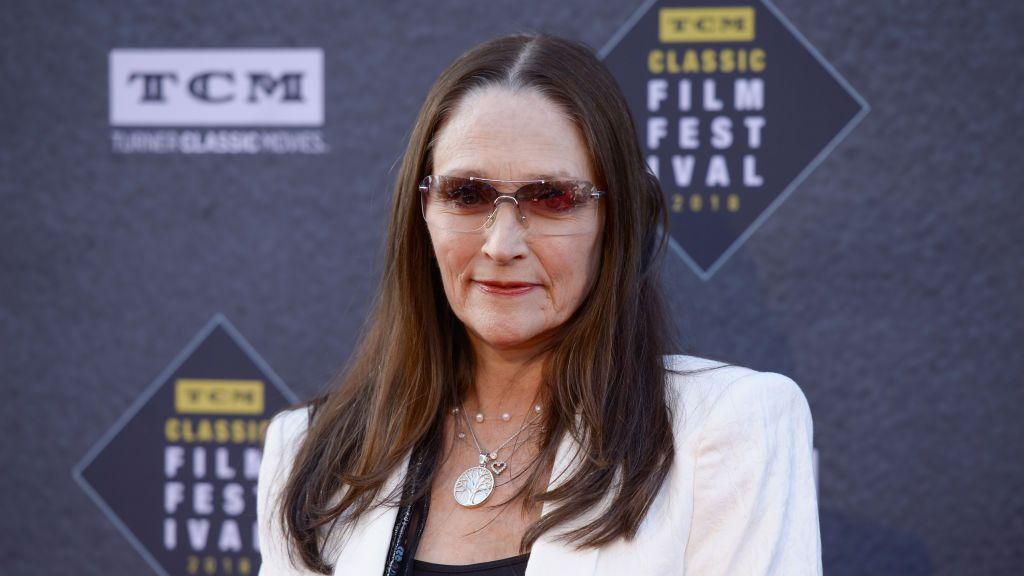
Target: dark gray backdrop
(887, 285)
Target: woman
(509, 408)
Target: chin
(504, 334)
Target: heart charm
(498, 466)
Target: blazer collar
(365, 547)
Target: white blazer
(740, 497)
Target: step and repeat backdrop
(192, 207)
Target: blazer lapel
(549, 556)
(366, 547)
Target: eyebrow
(555, 175)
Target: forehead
(510, 135)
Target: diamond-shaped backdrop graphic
(733, 108)
(177, 473)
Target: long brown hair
(414, 361)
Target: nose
(505, 237)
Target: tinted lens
(463, 194)
(456, 203)
(550, 198)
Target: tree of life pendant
(474, 486)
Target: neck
(506, 380)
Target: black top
(514, 566)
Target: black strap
(420, 515)
(403, 543)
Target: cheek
(453, 255)
(572, 266)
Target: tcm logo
(194, 396)
(732, 24)
(216, 87)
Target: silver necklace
(476, 484)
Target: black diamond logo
(177, 473)
(734, 108)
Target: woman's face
(510, 287)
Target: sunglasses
(546, 207)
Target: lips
(504, 288)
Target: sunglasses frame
(594, 194)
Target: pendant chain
(491, 454)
